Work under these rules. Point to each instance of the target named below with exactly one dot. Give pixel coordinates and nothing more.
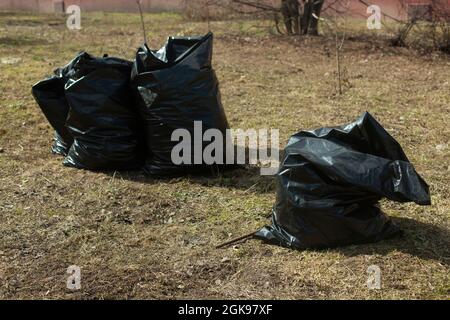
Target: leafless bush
(196, 10)
(441, 28)
(427, 28)
(305, 17)
(204, 10)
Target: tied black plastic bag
(50, 96)
(174, 88)
(102, 118)
(329, 184)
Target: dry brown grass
(135, 237)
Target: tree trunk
(306, 17)
(309, 23)
(314, 23)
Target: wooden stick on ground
(232, 241)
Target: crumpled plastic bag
(174, 87)
(50, 96)
(329, 184)
(89, 104)
(102, 118)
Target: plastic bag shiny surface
(329, 184)
(50, 96)
(102, 118)
(174, 87)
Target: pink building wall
(91, 5)
(394, 8)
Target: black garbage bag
(330, 181)
(102, 117)
(175, 87)
(50, 96)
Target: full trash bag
(330, 181)
(174, 88)
(50, 96)
(102, 117)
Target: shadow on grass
(246, 178)
(423, 240)
(241, 177)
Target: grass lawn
(135, 237)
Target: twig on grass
(234, 240)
